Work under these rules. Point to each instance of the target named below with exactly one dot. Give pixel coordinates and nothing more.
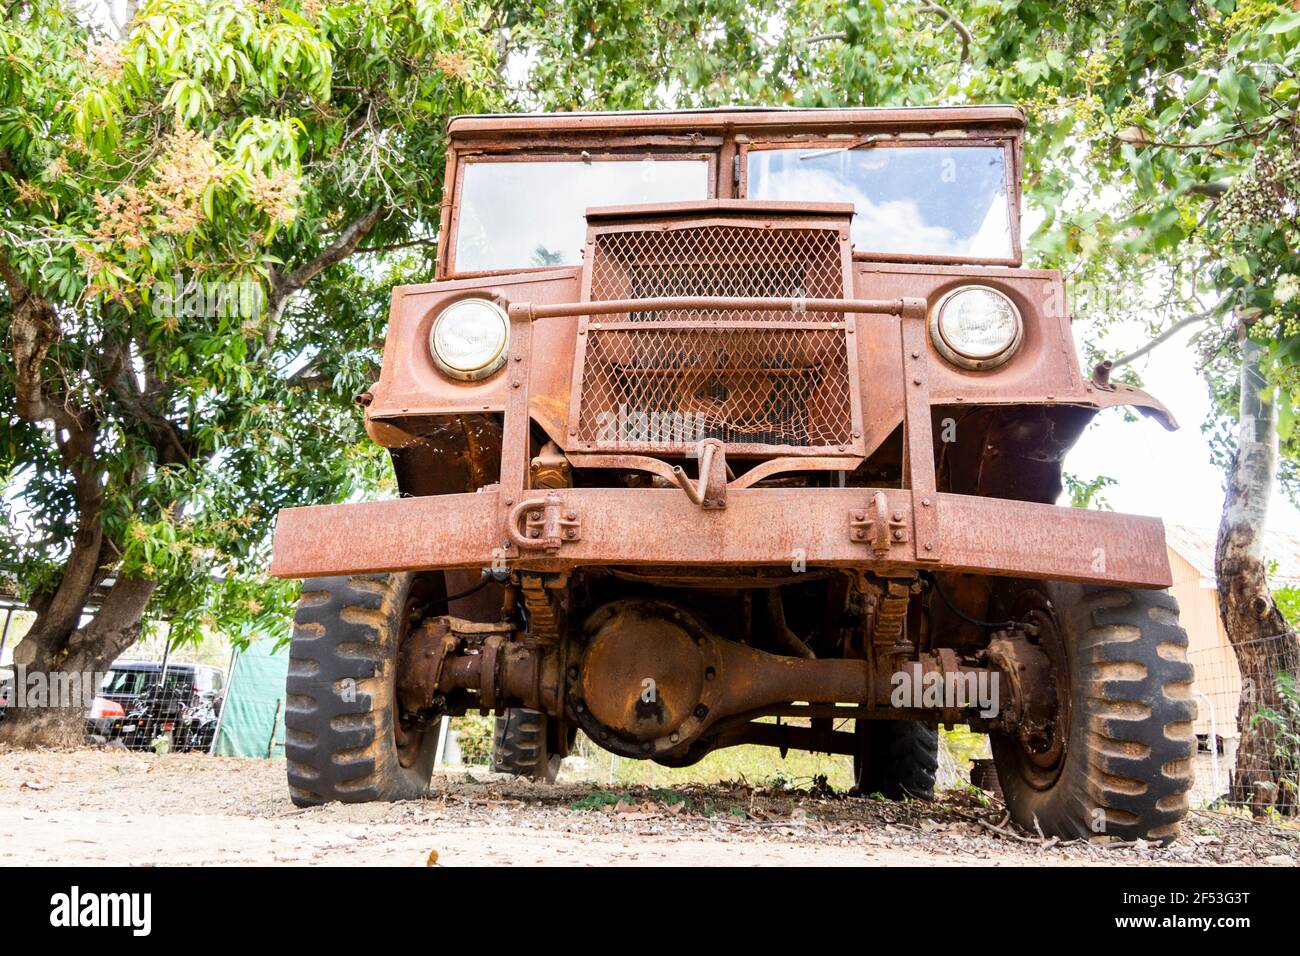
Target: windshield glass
(127, 682)
(134, 682)
(910, 200)
(516, 215)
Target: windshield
(516, 215)
(123, 683)
(946, 201)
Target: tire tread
(336, 748)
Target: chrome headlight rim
(976, 362)
(493, 364)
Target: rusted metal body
(789, 426)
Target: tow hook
(710, 493)
(547, 524)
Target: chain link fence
(1248, 726)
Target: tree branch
(392, 246)
(1136, 136)
(164, 435)
(1167, 334)
(963, 31)
(123, 24)
(116, 625)
(33, 329)
(283, 287)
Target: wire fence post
(1214, 742)
(441, 753)
(225, 696)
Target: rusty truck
(740, 426)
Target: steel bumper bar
(846, 527)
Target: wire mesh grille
(718, 260)
(653, 379)
(771, 386)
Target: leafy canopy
(168, 193)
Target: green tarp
(252, 718)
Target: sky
(1165, 474)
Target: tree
(1188, 111)
(168, 192)
(634, 54)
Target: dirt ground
(109, 807)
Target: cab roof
(743, 120)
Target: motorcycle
(174, 715)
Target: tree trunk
(58, 674)
(42, 658)
(57, 662)
(1265, 644)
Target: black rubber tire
(521, 746)
(899, 759)
(340, 710)
(1127, 769)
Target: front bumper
(759, 527)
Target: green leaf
(1283, 24)
(1285, 420)
(1229, 85)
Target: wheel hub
(409, 727)
(1031, 661)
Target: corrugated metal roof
(1196, 546)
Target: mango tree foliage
(1163, 143)
(623, 54)
(192, 212)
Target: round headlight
(469, 339)
(976, 327)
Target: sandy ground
(107, 807)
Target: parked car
(188, 688)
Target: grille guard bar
(528, 311)
(883, 529)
